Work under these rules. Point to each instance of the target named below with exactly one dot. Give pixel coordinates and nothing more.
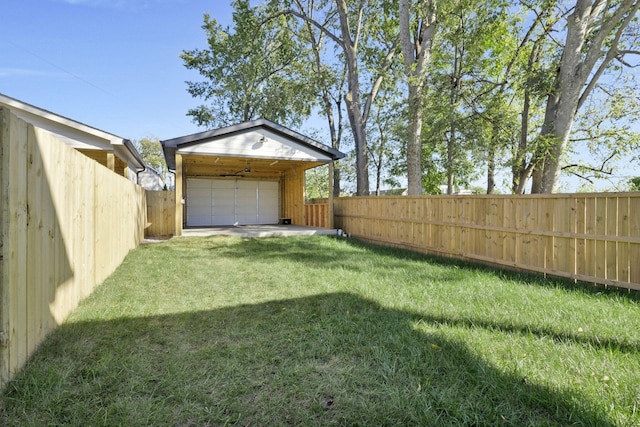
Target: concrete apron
(257, 231)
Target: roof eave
(206, 136)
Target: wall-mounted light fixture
(263, 139)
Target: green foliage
(470, 119)
(256, 69)
(317, 182)
(634, 184)
(151, 151)
(607, 129)
(494, 66)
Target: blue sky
(111, 64)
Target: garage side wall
(292, 193)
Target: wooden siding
(588, 237)
(66, 224)
(292, 196)
(179, 197)
(160, 213)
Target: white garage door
(231, 202)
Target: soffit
(220, 166)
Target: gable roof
(170, 146)
(74, 133)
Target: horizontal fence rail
(66, 224)
(588, 237)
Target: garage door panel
(268, 202)
(199, 208)
(247, 202)
(229, 202)
(223, 206)
(199, 183)
(199, 220)
(200, 197)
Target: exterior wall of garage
(292, 196)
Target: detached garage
(250, 173)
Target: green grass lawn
(320, 331)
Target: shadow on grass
(332, 359)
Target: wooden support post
(179, 205)
(330, 198)
(111, 161)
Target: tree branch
(594, 49)
(599, 170)
(388, 61)
(310, 20)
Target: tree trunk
(536, 180)
(491, 169)
(416, 51)
(453, 104)
(352, 100)
(450, 157)
(336, 181)
(414, 144)
(556, 128)
(520, 171)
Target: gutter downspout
(134, 153)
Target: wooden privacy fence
(66, 224)
(316, 215)
(161, 208)
(589, 237)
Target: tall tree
(330, 77)
(358, 26)
(417, 27)
(386, 133)
(594, 37)
(255, 69)
(467, 85)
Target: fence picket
(61, 223)
(589, 237)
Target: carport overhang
(255, 150)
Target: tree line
(434, 92)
